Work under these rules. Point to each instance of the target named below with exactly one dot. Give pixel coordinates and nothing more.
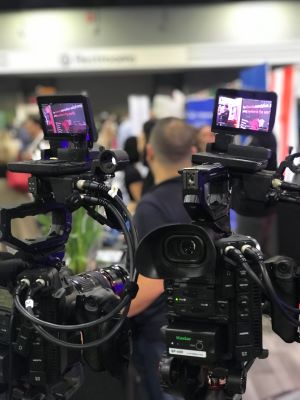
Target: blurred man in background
(132, 175)
(203, 137)
(125, 131)
(34, 129)
(143, 140)
(170, 149)
(107, 136)
(10, 193)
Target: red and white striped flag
(282, 81)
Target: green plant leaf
(85, 232)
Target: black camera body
(217, 283)
(53, 322)
(214, 308)
(63, 299)
(222, 304)
(220, 316)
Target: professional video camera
(216, 281)
(50, 320)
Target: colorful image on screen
(64, 118)
(251, 114)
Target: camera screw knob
(199, 345)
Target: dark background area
(23, 4)
(109, 91)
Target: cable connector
(29, 303)
(276, 183)
(41, 282)
(25, 282)
(80, 184)
(228, 248)
(245, 247)
(252, 253)
(113, 192)
(235, 254)
(239, 258)
(131, 289)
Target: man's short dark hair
(147, 128)
(172, 140)
(130, 146)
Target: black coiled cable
(131, 241)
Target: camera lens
(187, 247)
(114, 277)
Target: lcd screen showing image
(244, 112)
(64, 119)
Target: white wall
(132, 38)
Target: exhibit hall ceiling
(6, 5)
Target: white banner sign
(146, 57)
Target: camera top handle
(52, 242)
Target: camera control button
(170, 300)
(244, 336)
(222, 307)
(242, 273)
(37, 378)
(244, 316)
(243, 300)
(243, 285)
(243, 305)
(199, 345)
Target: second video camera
(216, 281)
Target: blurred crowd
(26, 142)
(137, 178)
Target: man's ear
(194, 150)
(149, 153)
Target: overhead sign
(122, 58)
(94, 59)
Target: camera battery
(196, 341)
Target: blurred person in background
(23, 136)
(33, 150)
(9, 150)
(203, 137)
(143, 140)
(9, 196)
(125, 131)
(170, 149)
(133, 177)
(107, 136)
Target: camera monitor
(244, 112)
(67, 117)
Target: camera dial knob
(199, 345)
